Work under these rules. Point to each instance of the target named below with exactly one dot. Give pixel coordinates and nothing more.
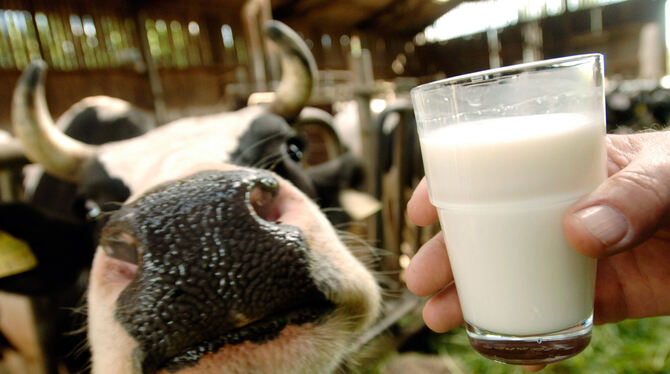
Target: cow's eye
(294, 152)
(92, 209)
(295, 147)
(121, 246)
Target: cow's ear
(40, 253)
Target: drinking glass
(506, 151)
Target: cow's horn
(42, 142)
(11, 154)
(298, 70)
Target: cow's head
(209, 263)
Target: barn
(151, 150)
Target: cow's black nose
(214, 268)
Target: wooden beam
(396, 13)
(299, 8)
(152, 70)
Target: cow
(201, 259)
(93, 120)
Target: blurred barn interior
(183, 58)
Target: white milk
(501, 187)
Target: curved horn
(11, 154)
(298, 70)
(42, 142)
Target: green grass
(632, 346)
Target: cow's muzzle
(214, 267)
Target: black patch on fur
(93, 126)
(97, 185)
(329, 178)
(212, 266)
(89, 127)
(264, 145)
(261, 142)
(68, 199)
(63, 247)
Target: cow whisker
(388, 272)
(261, 142)
(365, 252)
(355, 239)
(406, 305)
(346, 225)
(101, 214)
(268, 162)
(334, 209)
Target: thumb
(627, 208)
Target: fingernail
(604, 222)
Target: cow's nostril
(120, 245)
(262, 197)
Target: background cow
(203, 263)
(93, 120)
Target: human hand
(625, 223)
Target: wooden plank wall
(195, 70)
(567, 34)
(64, 88)
(205, 73)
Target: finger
(429, 271)
(533, 368)
(625, 209)
(419, 209)
(609, 304)
(443, 311)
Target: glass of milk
(506, 151)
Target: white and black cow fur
(207, 264)
(93, 120)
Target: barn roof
(386, 16)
